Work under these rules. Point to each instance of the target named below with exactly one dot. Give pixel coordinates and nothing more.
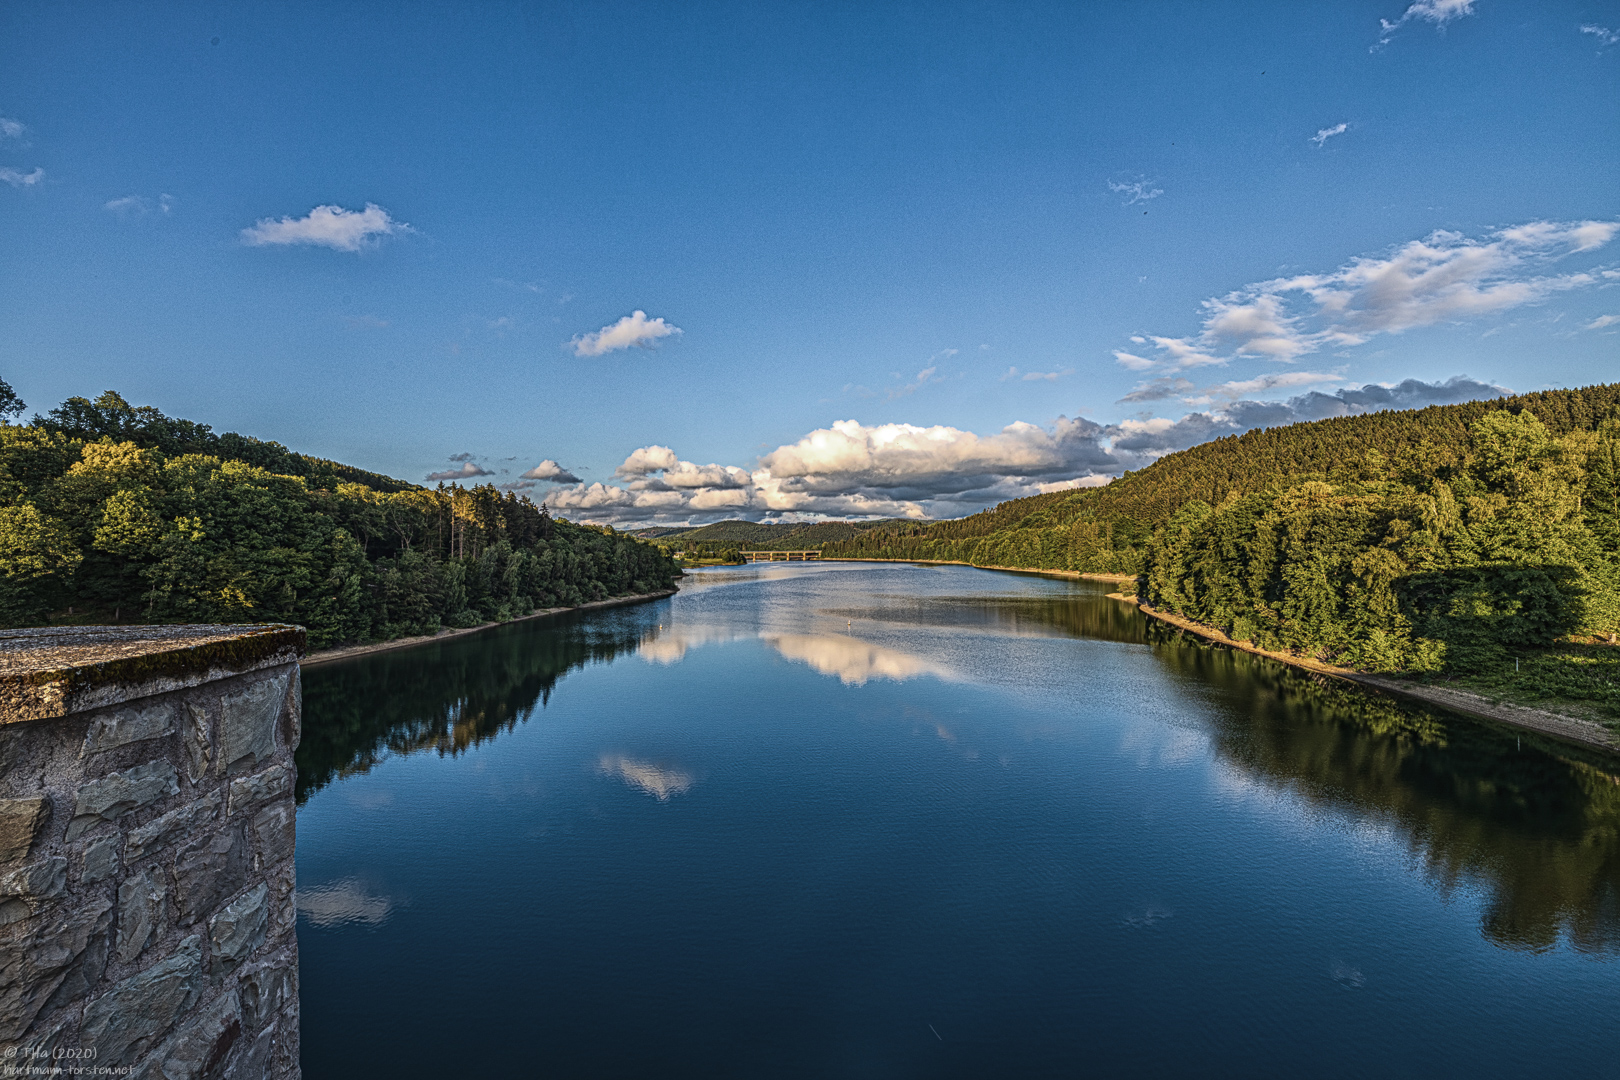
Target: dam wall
(147, 922)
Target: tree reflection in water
(452, 695)
(1534, 823)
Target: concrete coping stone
(59, 670)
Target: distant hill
(754, 536)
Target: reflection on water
(852, 661)
(341, 903)
(894, 820)
(450, 695)
(1536, 823)
(659, 781)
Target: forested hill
(110, 513)
(1107, 529)
(1396, 541)
(111, 417)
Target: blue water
(891, 821)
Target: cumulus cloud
(1438, 12)
(1327, 133)
(1445, 277)
(551, 472)
(17, 178)
(469, 470)
(13, 129)
(1136, 191)
(852, 470)
(634, 330)
(1605, 36)
(326, 226)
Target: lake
(886, 820)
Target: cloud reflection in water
(660, 781)
(343, 902)
(854, 661)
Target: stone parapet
(146, 851)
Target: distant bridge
(781, 556)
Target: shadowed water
(888, 820)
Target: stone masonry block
(100, 860)
(273, 828)
(267, 986)
(202, 1045)
(238, 929)
(248, 720)
(142, 901)
(199, 739)
(125, 726)
(208, 870)
(272, 783)
(125, 1022)
(33, 966)
(118, 793)
(26, 889)
(258, 1057)
(174, 825)
(19, 821)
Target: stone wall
(146, 851)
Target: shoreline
(1584, 733)
(1087, 576)
(345, 652)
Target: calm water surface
(889, 821)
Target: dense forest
(112, 513)
(1439, 539)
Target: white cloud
(326, 226)
(468, 471)
(1131, 360)
(137, 205)
(11, 129)
(634, 329)
(1601, 321)
(1605, 36)
(851, 470)
(17, 178)
(552, 472)
(1140, 190)
(1327, 133)
(1445, 277)
(1438, 12)
(924, 377)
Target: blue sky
(1002, 247)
